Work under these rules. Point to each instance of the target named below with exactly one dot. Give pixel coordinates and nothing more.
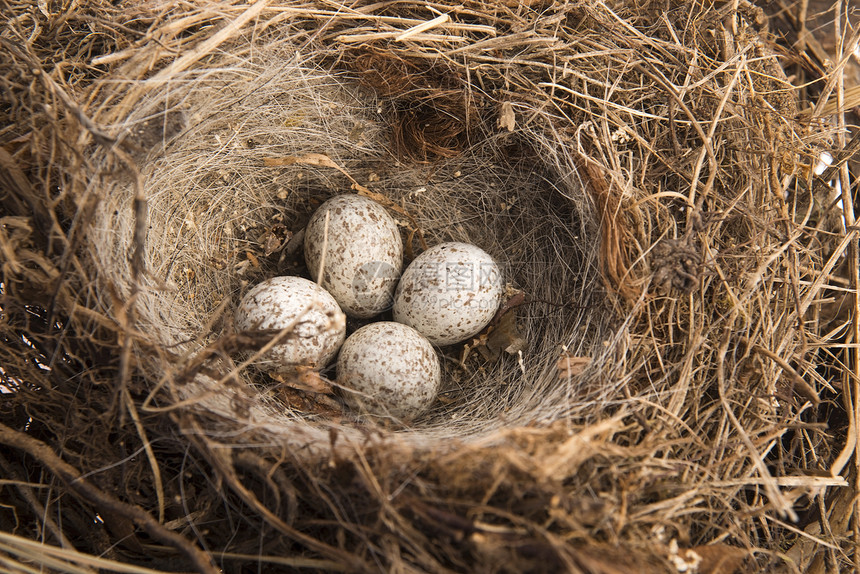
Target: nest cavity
(235, 156)
(664, 378)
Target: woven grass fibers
(668, 388)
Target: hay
(644, 177)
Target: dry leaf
(304, 379)
(274, 238)
(571, 366)
(311, 403)
(507, 118)
(720, 558)
(501, 335)
(505, 337)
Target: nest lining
(691, 422)
(213, 208)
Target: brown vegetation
(677, 387)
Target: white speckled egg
(387, 368)
(449, 293)
(363, 253)
(319, 324)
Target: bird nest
(665, 387)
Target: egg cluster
(354, 251)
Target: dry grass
(688, 389)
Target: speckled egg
(363, 253)
(319, 326)
(449, 293)
(389, 369)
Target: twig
(38, 509)
(63, 556)
(837, 72)
(228, 473)
(776, 497)
(800, 384)
(72, 478)
(207, 46)
(437, 21)
(852, 396)
(150, 454)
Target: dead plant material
(614, 263)
(677, 265)
(111, 508)
(431, 106)
(570, 366)
(674, 387)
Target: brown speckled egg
(449, 293)
(389, 369)
(319, 324)
(363, 253)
